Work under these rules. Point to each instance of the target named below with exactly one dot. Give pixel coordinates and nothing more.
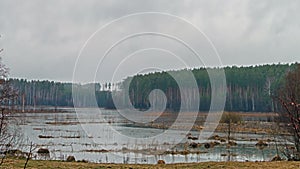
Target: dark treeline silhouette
(248, 89)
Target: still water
(107, 137)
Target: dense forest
(248, 89)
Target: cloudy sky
(46, 39)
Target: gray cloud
(42, 38)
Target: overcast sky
(42, 38)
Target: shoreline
(45, 164)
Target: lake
(107, 137)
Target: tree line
(249, 89)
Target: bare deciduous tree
(7, 95)
(28, 156)
(230, 118)
(289, 97)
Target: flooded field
(109, 138)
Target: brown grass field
(36, 164)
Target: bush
(43, 151)
(71, 159)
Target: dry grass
(245, 127)
(15, 164)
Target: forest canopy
(249, 89)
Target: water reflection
(63, 135)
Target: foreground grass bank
(35, 164)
